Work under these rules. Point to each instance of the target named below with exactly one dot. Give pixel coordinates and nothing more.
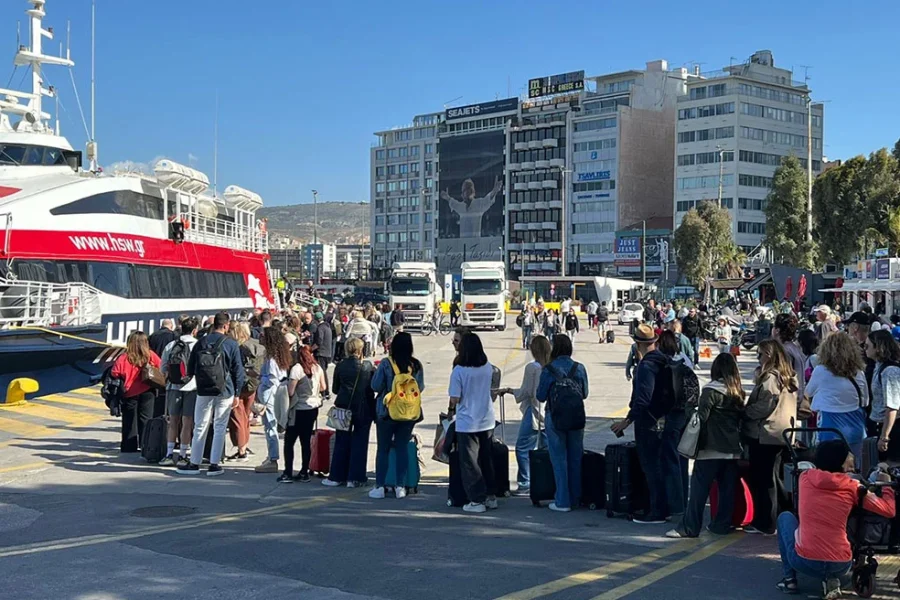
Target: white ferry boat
(86, 258)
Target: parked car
(629, 312)
(360, 298)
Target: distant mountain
(339, 222)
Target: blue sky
(302, 90)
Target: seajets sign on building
(484, 108)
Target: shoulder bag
(152, 375)
(689, 446)
(339, 419)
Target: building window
(379, 220)
(414, 236)
(429, 183)
(706, 181)
(817, 121)
(698, 93)
(427, 235)
(751, 227)
(392, 238)
(595, 145)
(600, 206)
(379, 205)
(595, 124)
(618, 86)
(379, 171)
(379, 155)
(709, 110)
(403, 152)
(392, 170)
(404, 169)
(752, 204)
(774, 137)
(414, 219)
(427, 218)
(393, 153)
(717, 90)
(379, 188)
(428, 167)
(774, 114)
(413, 150)
(601, 227)
(594, 186)
(429, 149)
(754, 181)
(379, 238)
(414, 167)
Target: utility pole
(721, 171)
(315, 217)
(562, 218)
(644, 253)
(809, 171)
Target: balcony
(542, 164)
(557, 162)
(527, 206)
(550, 184)
(528, 164)
(555, 246)
(554, 204)
(534, 185)
(535, 145)
(542, 245)
(520, 227)
(550, 143)
(534, 226)
(521, 146)
(514, 166)
(551, 225)
(513, 246)
(520, 186)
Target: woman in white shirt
(884, 350)
(470, 393)
(532, 425)
(273, 374)
(305, 386)
(839, 392)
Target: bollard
(15, 392)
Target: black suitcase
(626, 487)
(543, 482)
(593, 480)
(610, 336)
(869, 456)
(154, 439)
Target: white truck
(483, 295)
(413, 285)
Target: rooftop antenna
(449, 102)
(216, 148)
(92, 145)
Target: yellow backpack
(404, 401)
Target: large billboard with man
(471, 199)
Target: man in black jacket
(322, 347)
(162, 336)
(690, 328)
(398, 318)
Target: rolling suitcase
(543, 482)
(626, 487)
(413, 473)
(610, 336)
(322, 447)
(743, 500)
(153, 440)
(869, 458)
(593, 480)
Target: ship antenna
(93, 86)
(216, 148)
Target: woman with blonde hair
(138, 395)
(253, 356)
(771, 409)
(531, 431)
(839, 391)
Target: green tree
(703, 244)
(786, 215)
(881, 190)
(896, 150)
(840, 212)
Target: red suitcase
(322, 447)
(743, 503)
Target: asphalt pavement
(79, 521)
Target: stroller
(869, 534)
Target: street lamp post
(315, 217)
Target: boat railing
(220, 232)
(36, 303)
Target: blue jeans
(695, 343)
(270, 423)
(566, 449)
(351, 453)
(792, 563)
(527, 440)
(526, 336)
(396, 435)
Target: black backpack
(210, 371)
(566, 400)
(685, 385)
(176, 367)
(520, 320)
(602, 314)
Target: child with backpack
(398, 383)
(564, 387)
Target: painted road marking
(94, 540)
(63, 399)
(25, 429)
(673, 567)
(49, 463)
(600, 573)
(51, 413)
(88, 391)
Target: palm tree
(733, 263)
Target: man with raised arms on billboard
(470, 209)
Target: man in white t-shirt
(564, 306)
(470, 393)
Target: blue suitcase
(413, 473)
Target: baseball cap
(318, 316)
(824, 308)
(860, 318)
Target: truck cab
(414, 287)
(483, 295)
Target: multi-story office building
(734, 128)
(584, 165)
(288, 261)
(353, 260)
(319, 260)
(403, 174)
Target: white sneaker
(353, 484)
(377, 493)
(400, 492)
(472, 507)
(491, 503)
(329, 483)
(556, 508)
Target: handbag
(689, 446)
(444, 435)
(339, 419)
(152, 375)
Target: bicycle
(443, 327)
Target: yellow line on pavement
(94, 540)
(25, 429)
(91, 391)
(48, 463)
(600, 573)
(25, 467)
(96, 404)
(52, 413)
(673, 567)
